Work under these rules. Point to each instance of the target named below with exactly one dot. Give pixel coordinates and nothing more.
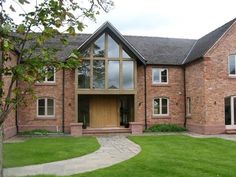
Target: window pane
(84, 74)
(232, 64)
(227, 111)
(156, 75)
(164, 106)
(51, 72)
(113, 48)
(128, 74)
(125, 55)
(163, 75)
(113, 74)
(50, 106)
(99, 47)
(98, 74)
(41, 107)
(156, 106)
(86, 53)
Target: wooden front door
(104, 111)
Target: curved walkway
(114, 149)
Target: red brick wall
(28, 119)
(174, 90)
(218, 84)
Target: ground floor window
(45, 107)
(161, 106)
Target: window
(51, 76)
(106, 65)
(161, 106)
(232, 65)
(188, 106)
(159, 76)
(45, 107)
(84, 74)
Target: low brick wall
(136, 128)
(76, 129)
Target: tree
(47, 20)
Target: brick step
(89, 131)
(230, 131)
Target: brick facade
(206, 82)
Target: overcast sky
(167, 18)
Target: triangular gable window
(125, 55)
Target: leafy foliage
(166, 128)
(24, 52)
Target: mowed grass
(175, 156)
(42, 150)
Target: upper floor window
(106, 65)
(45, 107)
(188, 106)
(161, 106)
(51, 75)
(232, 65)
(159, 75)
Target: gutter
(63, 100)
(145, 96)
(185, 110)
(16, 114)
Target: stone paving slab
(113, 150)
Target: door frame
(233, 123)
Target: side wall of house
(174, 91)
(27, 113)
(218, 84)
(9, 126)
(195, 85)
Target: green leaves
(71, 30)
(21, 29)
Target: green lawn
(42, 150)
(176, 156)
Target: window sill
(45, 84)
(232, 76)
(45, 118)
(160, 85)
(188, 116)
(161, 116)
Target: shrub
(166, 128)
(37, 132)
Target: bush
(166, 128)
(37, 132)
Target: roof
(150, 50)
(203, 44)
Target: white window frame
(159, 70)
(160, 98)
(54, 77)
(188, 106)
(46, 107)
(234, 75)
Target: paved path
(114, 149)
(223, 136)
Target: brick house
(127, 83)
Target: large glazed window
(232, 65)
(113, 74)
(106, 65)
(98, 74)
(84, 74)
(128, 74)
